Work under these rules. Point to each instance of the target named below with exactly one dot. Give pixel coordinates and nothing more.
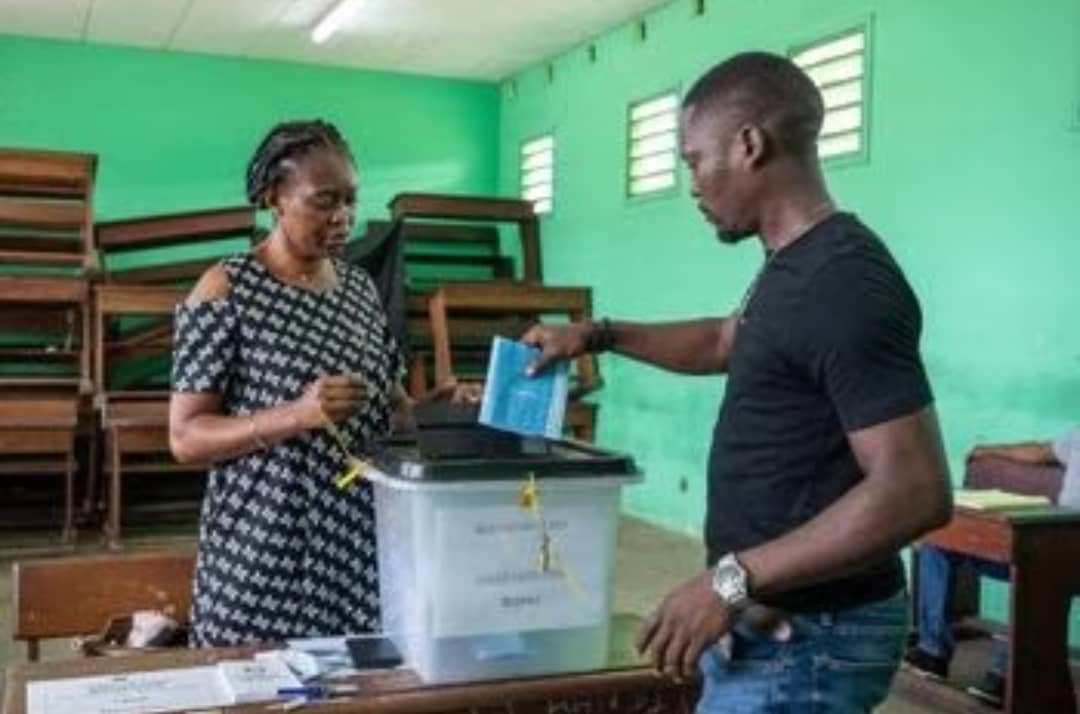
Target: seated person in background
(937, 568)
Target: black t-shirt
(828, 344)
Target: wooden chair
(45, 322)
(67, 597)
(134, 413)
(123, 241)
(477, 209)
(484, 309)
(37, 436)
(45, 357)
(46, 208)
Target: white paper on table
(134, 693)
(255, 680)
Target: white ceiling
(481, 39)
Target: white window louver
(838, 68)
(538, 173)
(652, 159)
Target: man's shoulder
(850, 253)
(845, 236)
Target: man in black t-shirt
(826, 456)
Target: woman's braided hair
(282, 145)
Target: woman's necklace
(308, 279)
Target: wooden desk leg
(112, 519)
(1039, 678)
(68, 533)
(91, 504)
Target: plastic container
(467, 590)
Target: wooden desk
(1042, 548)
(625, 691)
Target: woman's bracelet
(255, 435)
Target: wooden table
(1042, 548)
(633, 690)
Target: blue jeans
(834, 663)
(937, 578)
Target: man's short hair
(770, 91)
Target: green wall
(973, 178)
(174, 131)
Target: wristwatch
(730, 582)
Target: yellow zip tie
(356, 470)
(547, 560)
(356, 467)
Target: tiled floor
(650, 561)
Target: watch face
(729, 581)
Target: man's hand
(557, 342)
(691, 618)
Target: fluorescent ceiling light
(333, 20)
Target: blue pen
(318, 691)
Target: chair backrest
(45, 334)
(1018, 478)
(63, 597)
(46, 211)
(148, 336)
(37, 427)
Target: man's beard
(731, 236)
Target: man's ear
(755, 145)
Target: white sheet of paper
(135, 693)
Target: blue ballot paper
(513, 401)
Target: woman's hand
(331, 398)
(457, 392)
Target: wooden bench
(71, 596)
(134, 416)
(126, 239)
(46, 208)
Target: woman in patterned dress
(270, 346)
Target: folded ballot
(516, 402)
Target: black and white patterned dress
(282, 551)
